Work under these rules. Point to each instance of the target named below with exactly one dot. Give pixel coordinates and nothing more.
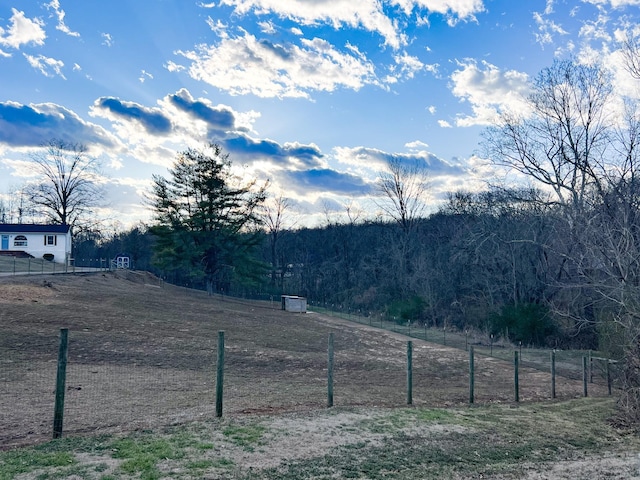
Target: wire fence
(117, 379)
(568, 362)
(10, 265)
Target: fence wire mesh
(135, 373)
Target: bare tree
(631, 52)
(67, 189)
(586, 152)
(405, 186)
(562, 143)
(274, 216)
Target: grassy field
(564, 440)
(141, 382)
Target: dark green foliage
(528, 323)
(405, 310)
(205, 219)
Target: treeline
(500, 262)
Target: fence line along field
(142, 354)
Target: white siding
(36, 246)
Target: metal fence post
(409, 372)
(220, 374)
(330, 371)
(61, 378)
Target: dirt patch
(142, 352)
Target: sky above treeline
(314, 96)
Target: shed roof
(32, 228)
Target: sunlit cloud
(60, 14)
(49, 67)
(243, 65)
(22, 31)
(489, 91)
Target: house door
(5, 242)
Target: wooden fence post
(220, 374)
(330, 372)
(516, 380)
(61, 379)
(585, 375)
(409, 372)
(553, 374)
(471, 375)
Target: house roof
(32, 228)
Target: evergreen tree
(206, 219)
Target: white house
(39, 241)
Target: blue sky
(313, 95)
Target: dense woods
(486, 261)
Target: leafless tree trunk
(275, 218)
(404, 186)
(67, 190)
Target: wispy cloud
(379, 16)
(106, 39)
(22, 31)
(144, 75)
(367, 14)
(60, 14)
(174, 67)
(49, 67)
(547, 28)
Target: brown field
(143, 354)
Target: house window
(20, 241)
(50, 240)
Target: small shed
(294, 303)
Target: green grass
(15, 462)
(407, 443)
(245, 436)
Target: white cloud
(367, 14)
(144, 75)
(416, 145)
(174, 67)
(489, 91)
(49, 67)
(267, 27)
(596, 30)
(107, 40)
(547, 28)
(244, 64)
(55, 6)
(432, 109)
(453, 10)
(371, 15)
(22, 31)
(444, 124)
(409, 65)
(615, 3)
